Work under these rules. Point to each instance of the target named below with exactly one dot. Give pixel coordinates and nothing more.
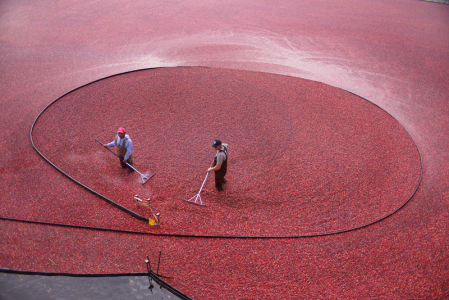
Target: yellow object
(152, 222)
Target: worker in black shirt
(220, 165)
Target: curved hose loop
(204, 236)
(420, 161)
(134, 214)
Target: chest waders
(121, 150)
(220, 174)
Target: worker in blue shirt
(124, 146)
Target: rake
(198, 196)
(145, 177)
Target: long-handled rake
(197, 196)
(145, 177)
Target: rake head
(196, 202)
(146, 177)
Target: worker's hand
(104, 145)
(124, 161)
(210, 169)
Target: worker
(124, 148)
(220, 164)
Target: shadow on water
(37, 287)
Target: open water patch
(38, 287)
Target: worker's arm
(220, 158)
(111, 144)
(215, 168)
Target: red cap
(121, 130)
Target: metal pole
(160, 251)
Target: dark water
(36, 287)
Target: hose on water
(153, 275)
(137, 216)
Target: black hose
(205, 236)
(132, 213)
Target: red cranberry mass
(304, 158)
